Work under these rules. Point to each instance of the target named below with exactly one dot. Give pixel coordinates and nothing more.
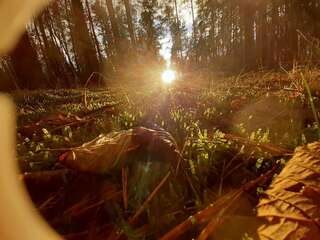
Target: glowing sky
(185, 15)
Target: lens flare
(168, 76)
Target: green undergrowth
(195, 117)
(200, 120)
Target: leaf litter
(134, 182)
(291, 205)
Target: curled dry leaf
(291, 206)
(53, 121)
(101, 154)
(110, 151)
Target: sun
(168, 76)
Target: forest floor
(227, 132)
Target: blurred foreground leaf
(291, 206)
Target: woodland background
(121, 39)
(104, 156)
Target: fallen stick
(148, 200)
(116, 234)
(222, 204)
(274, 150)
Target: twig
(221, 178)
(218, 207)
(86, 85)
(76, 122)
(125, 186)
(270, 148)
(148, 200)
(199, 218)
(55, 149)
(310, 97)
(268, 89)
(220, 218)
(97, 111)
(115, 234)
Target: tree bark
(84, 48)
(94, 35)
(130, 22)
(193, 19)
(247, 15)
(114, 26)
(179, 30)
(26, 64)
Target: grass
(311, 101)
(221, 132)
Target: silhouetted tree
(26, 64)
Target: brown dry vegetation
(201, 171)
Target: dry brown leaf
(291, 206)
(55, 121)
(110, 151)
(101, 154)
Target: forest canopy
(121, 39)
(226, 146)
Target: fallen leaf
(101, 154)
(291, 205)
(110, 151)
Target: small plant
(260, 136)
(247, 237)
(127, 120)
(260, 191)
(182, 123)
(313, 108)
(204, 152)
(259, 163)
(209, 113)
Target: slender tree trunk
(65, 68)
(293, 35)
(57, 58)
(130, 22)
(95, 38)
(44, 49)
(69, 22)
(26, 64)
(178, 30)
(316, 8)
(40, 38)
(7, 76)
(84, 48)
(247, 15)
(273, 53)
(193, 20)
(212, 35)
(64, 45)
(114, 26)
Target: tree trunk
(130, 22)
(42, 43)
(114, 26)
(193, 19)
(273, 51)
(84, 48)
(179, 47)
(293, 35)
(72, 45)
(95, 38)
(26, 64)
(64, 45)
(248, 33)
